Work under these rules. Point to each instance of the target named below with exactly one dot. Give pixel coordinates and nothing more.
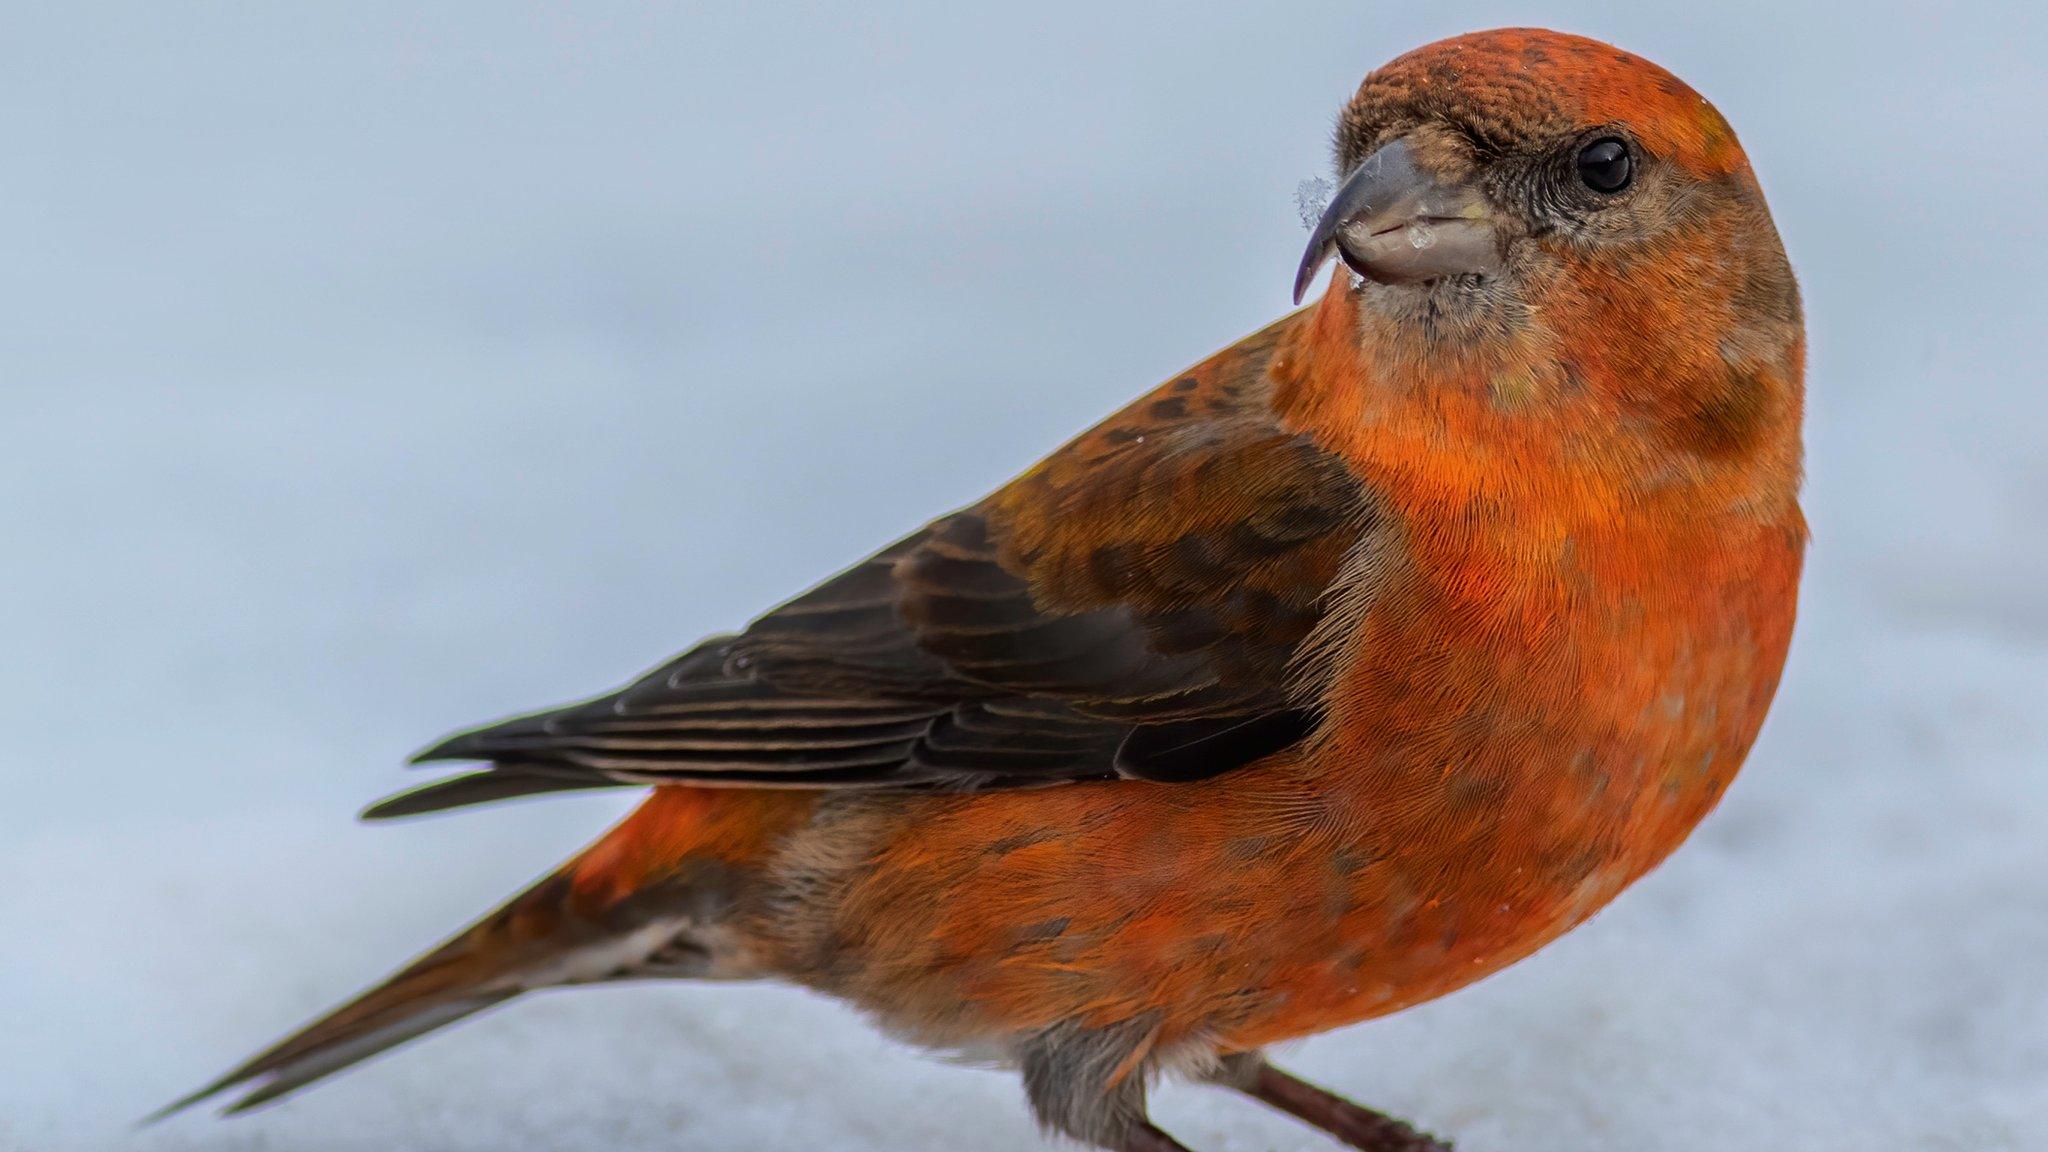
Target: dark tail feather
(328, 1047)
(534, 941)
(636, 904)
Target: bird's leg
(1144, 1137)
(1355, 1125)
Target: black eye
(1605, 165)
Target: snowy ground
(367, 373)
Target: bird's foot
(1355, 1125)
(1146, 1138)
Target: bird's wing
(1135, 605)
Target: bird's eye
(1605, 165)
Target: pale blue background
(371, 369)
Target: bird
(1351, 665)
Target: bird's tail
(645, 901)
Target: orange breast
(1516, 744)
(1546, 696)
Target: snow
(1312, 198)
(372, 371)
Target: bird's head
(1525, 196)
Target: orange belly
(1471, 800)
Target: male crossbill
(1354, 663)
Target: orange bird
(1354, 663)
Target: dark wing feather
(1132, 606)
